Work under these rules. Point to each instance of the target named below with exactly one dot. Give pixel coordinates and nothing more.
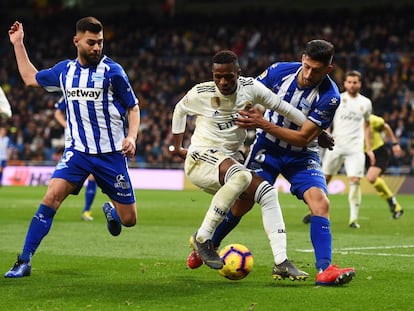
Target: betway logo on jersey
(84, 93)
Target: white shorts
(202, 168)
(354, 162)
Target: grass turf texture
(80, 266)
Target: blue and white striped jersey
(97, 99)
(318, 104)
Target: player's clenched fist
(16, 32)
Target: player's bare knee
(371, 180)
(128, 220)
(128, 215)
(320, 208)
(354, 180)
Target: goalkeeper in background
(382, 156)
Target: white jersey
(348, 122)
(216, 113)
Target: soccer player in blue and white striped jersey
(281, 147)
(100, 103)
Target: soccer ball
(238, 261)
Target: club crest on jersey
(248, 105)
(215, 102)
(304, 106)
(263, 74)
(334, 101)
(84, 93)
(97, 77)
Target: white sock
(237, 180)
(273, 222)
(354, 198)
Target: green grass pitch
(80, 266)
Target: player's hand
(396, 149)
(16, 33)
(128, 147)
(326, 140)
(181, 152)
(251, 119)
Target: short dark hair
(353, 73)
(89, 23)
(320, 50)
(225, 57)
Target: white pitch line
(357, 250)
(377, 247)
(375, 254)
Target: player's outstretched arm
(270, 100)
(26, 68)
(253, 119)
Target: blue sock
(38, 228)
(321, 238)
(225, 227)
(89, 194)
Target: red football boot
(194, 260)
(333, 275)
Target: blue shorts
(109, 169)
(302, 169)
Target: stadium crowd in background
(165, 57)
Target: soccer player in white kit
(210, 159)
(350, 128)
